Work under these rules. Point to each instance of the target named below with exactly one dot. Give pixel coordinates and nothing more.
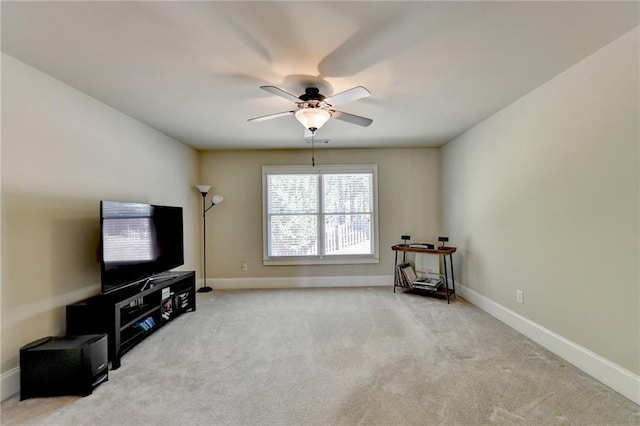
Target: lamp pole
(217, 199)
(205, 288)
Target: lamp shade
(204, 189)
(312, 118)
(217, 199)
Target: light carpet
(342, 356)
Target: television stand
(131, 314)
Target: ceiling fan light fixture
(312, 118)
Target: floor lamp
(217, 199)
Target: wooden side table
(444, 252)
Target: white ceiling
(193, 69)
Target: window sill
(326, 261)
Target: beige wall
(543, 197)
(62, 152)
(408, 198)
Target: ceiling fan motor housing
(311, 94)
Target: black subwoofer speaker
(70, 365)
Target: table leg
(395, 273)
(453, 281)
(446, 277)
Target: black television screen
(137, 241)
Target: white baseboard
(617, 378)
(298, 282)
(9, 383)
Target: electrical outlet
(244, 267)
(519, 296)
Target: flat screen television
(138, 241)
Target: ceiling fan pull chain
(313, 152)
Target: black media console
(129, 315)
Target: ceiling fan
(314, 109)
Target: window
(322, 214)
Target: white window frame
(320, 259)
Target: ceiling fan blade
(279, 92)
(351, 118)
(391, 31)
(270, 116)
(352, 94)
